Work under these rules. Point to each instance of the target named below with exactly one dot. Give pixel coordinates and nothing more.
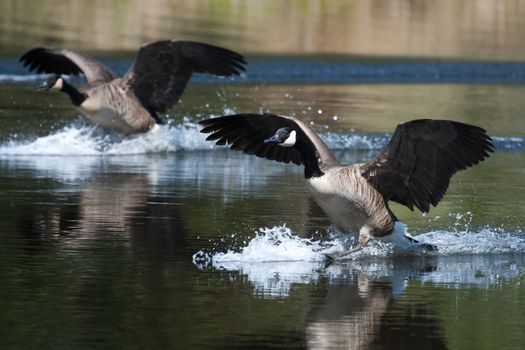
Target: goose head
(285, 137)
(54, 83)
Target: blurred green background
(417, 28)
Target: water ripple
(329, 70)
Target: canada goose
(153, 84)
(413, 169)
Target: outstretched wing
(163, 68)
(69, 62)
(415, 167)
(247, 132)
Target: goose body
(132, 103)
(413, 169)
(115, 106)
(349, 201)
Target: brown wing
(247, 132)
(416, 165)
(163, 68)
(69, 62)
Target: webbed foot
(364, 238)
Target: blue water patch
(296, 70)
(323, 71)
(509, 143)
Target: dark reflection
(358, 315)
(45, 221)
(125, 203)
(316, 220)
(95, 248)
(397, 303)
(159, 233)
(111, 205)
(350, 316)
(157, 206)
(108, 201)
(211, 195)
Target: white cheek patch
(290, 141)
(59, 84)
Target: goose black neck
(310, 160)
(76, 96)
(311, 169)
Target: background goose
(152, 85)
(413, 169)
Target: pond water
(164, 241)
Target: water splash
(276, 244)
(276, 258)
(263, 257)
(280, 244)
(355, 141)
(486, 241)
(83, 139)
(80, 138)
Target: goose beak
(273, 139)
(44, 86)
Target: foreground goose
(413, 169)
(152, 85)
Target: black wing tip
(33, 51)
(220, 60)
(476, 133)
(463, 146)
(48, 60)
(206, 122)
(31, 56)
(203, 57)
(214, 120)
(241, 134)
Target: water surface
(101, 235)
(164, 241)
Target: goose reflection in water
(361, 316)
(102, 205)
(122, 208)
(375, 303)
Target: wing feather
(68, 62)
(163, 68)
(415, 167)
(247, 132)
